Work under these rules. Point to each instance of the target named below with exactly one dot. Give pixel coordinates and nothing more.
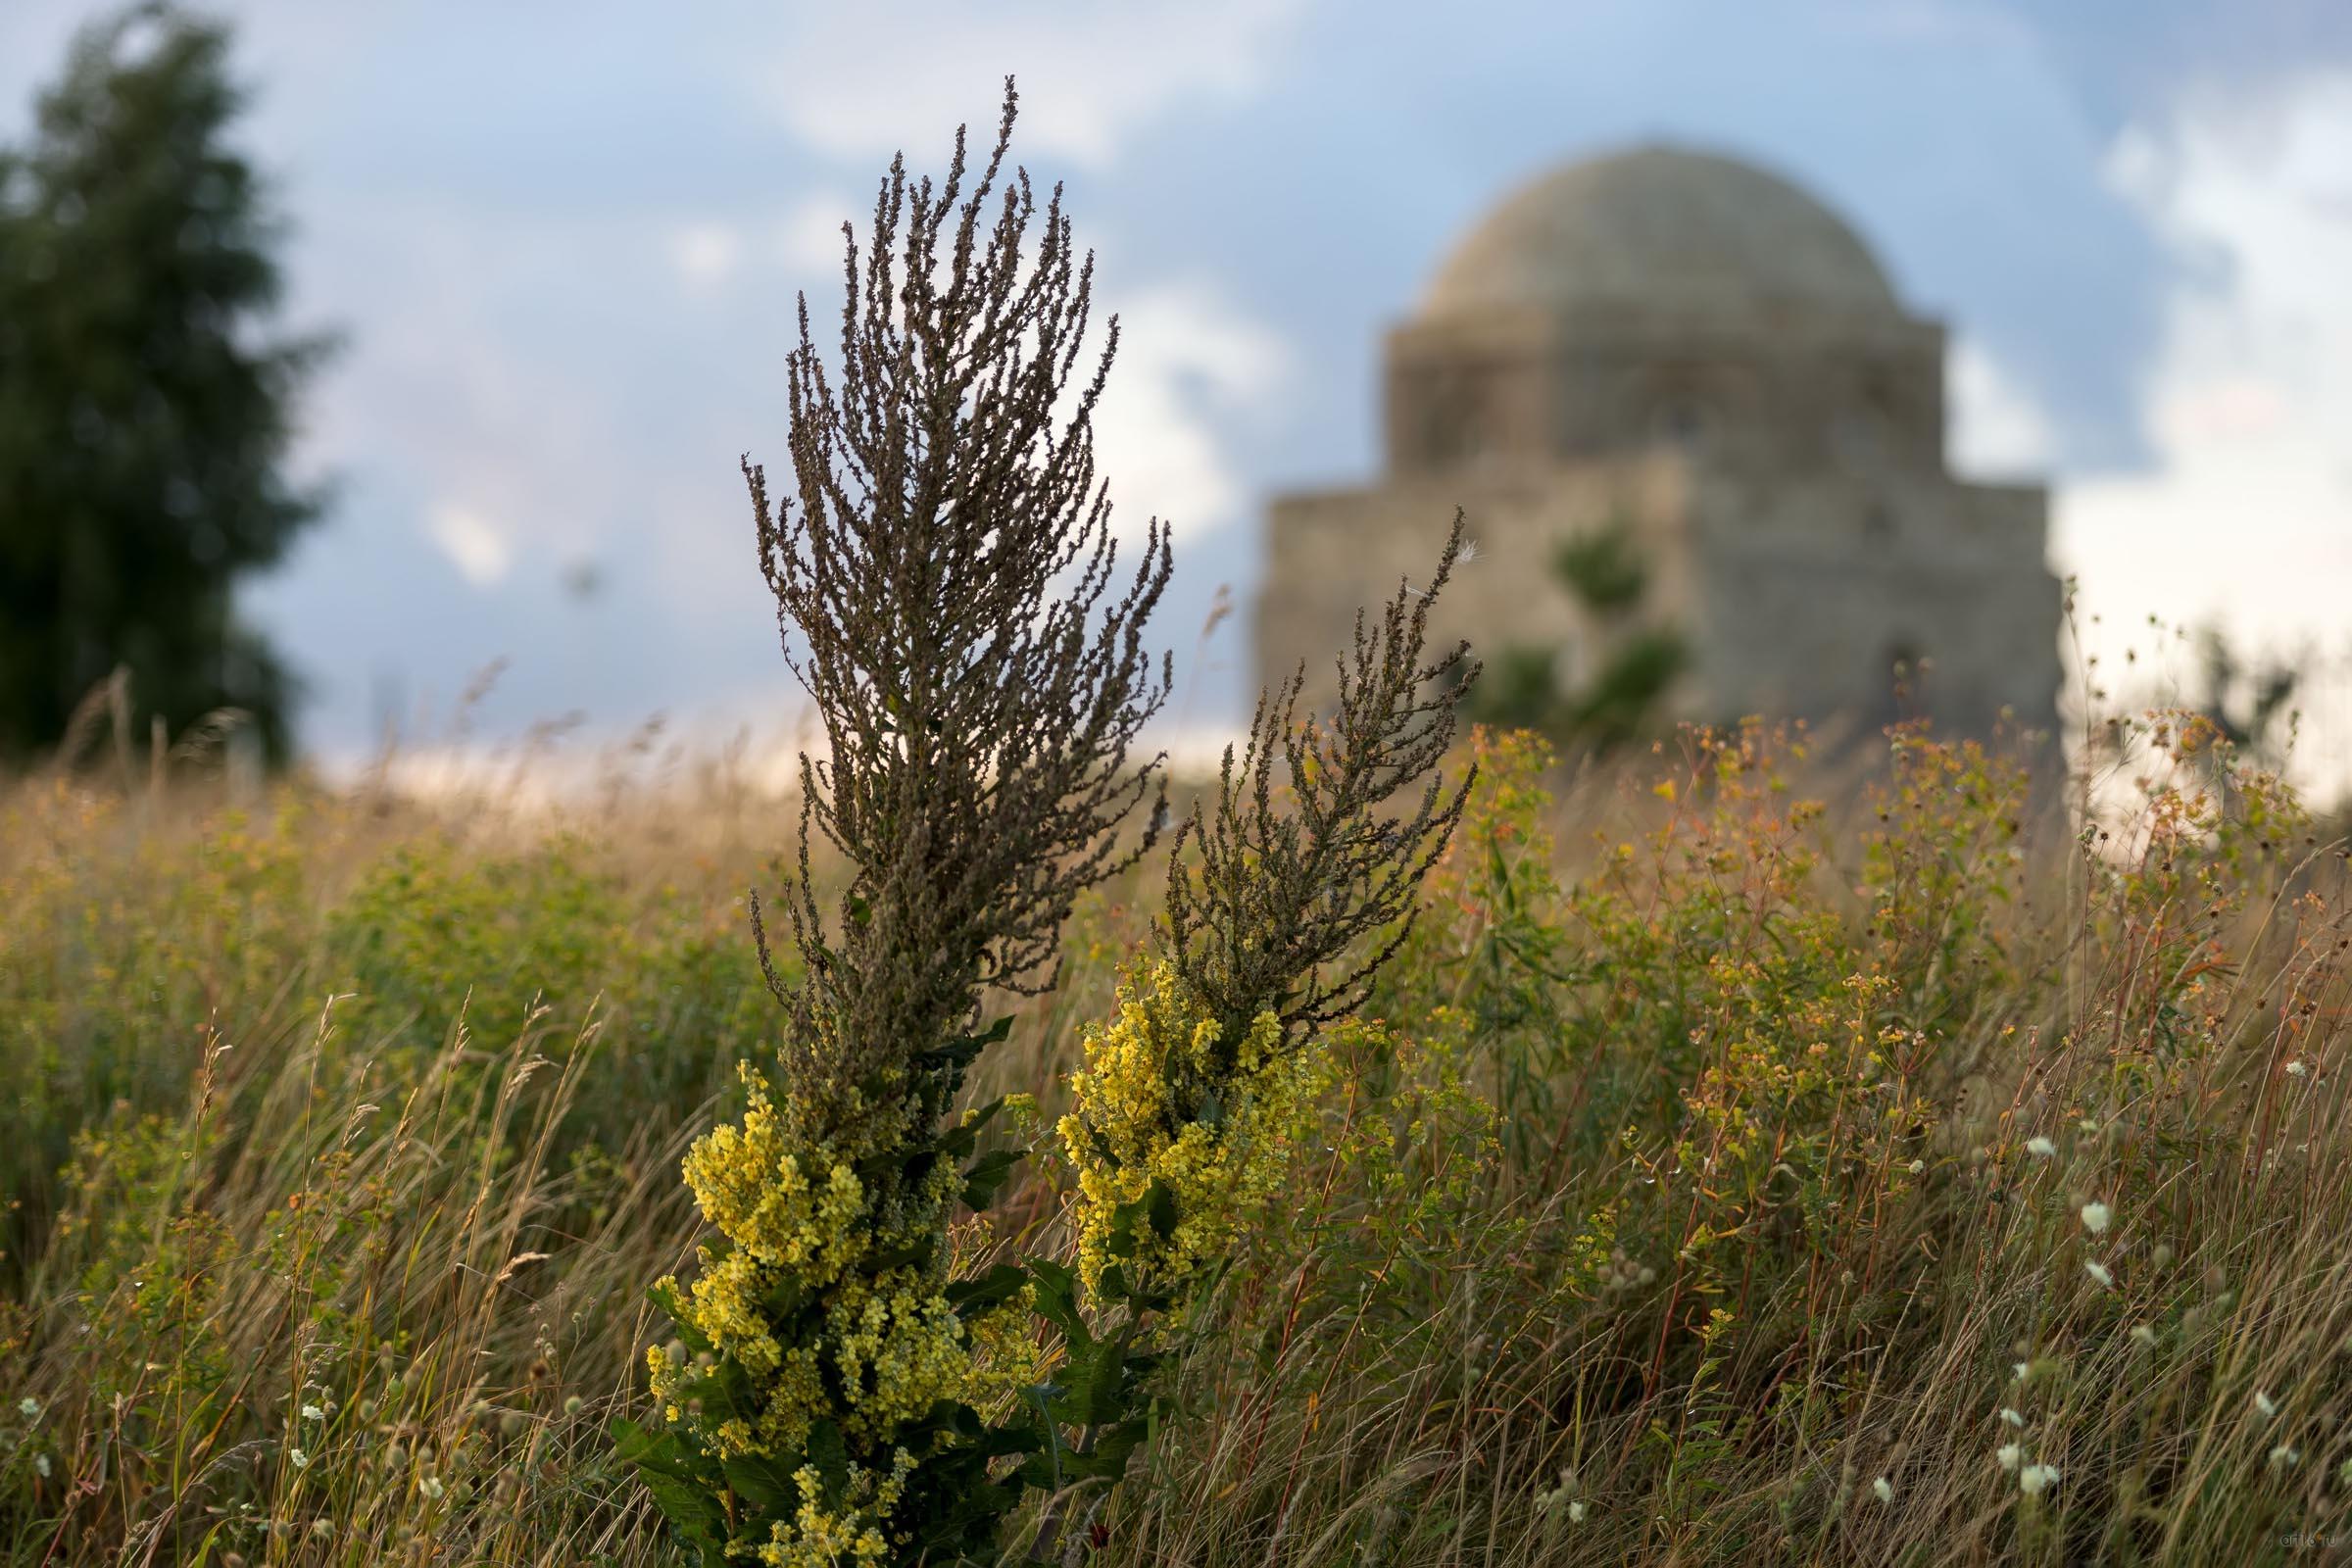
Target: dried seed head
(951, 597)
(1267, 911)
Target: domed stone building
(1693, 353)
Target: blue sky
(563, 241)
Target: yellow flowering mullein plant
(1170, 1129)
(944, 581)
(823, 1361)
(944, 578)
(1291, 900)
(1303, 879)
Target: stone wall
(1795, 596)
(1333, 552)
(1811, 592)
(1786, 391)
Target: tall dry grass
(1701, 1179)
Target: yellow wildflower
(819, 1536)
(1156, 1104)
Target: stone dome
(1662, 228)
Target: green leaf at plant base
(959, 1051)
(984, 1177)
(679, 1481)
(1057, 1298)
(964, 1137)
(1001, 1284)
(762, 1482)
(831, 1457)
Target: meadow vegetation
(1711, 1177)
(1427, 1154)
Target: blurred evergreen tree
(145, 414)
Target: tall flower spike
(1277, 922)
(950, 594)
(952, 599)
(1263, 913)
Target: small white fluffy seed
(2095, 1217)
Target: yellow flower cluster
(897, 1343)
(1140, 1119)
(802, 1228)
(817, 1537)
(1006, 1354)
(782, 1206)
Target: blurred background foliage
(1632, 657)
(147, 403)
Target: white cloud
(2247, 519)
(877, 78)
(492, 410)
(807, 241)
(705, 254)
(1999, 429)
(478, 547)
(1185, 360)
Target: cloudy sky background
(563, 241)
